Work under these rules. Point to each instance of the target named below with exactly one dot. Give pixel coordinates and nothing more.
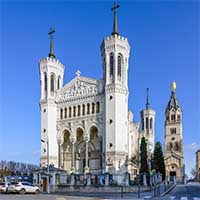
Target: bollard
(122, 192)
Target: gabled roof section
(78, 87)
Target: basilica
(86, 125)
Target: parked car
(23, 187)
(4, 187)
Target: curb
(166, 192)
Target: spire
(51, 53)
(173, 102)
(147, 99)
(114, 9)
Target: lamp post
(47, 141)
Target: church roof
(173, 102)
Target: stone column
(73, 156)
(86, 138)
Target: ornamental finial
(173, 86)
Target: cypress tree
(143, 156)
(158, 160)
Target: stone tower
(115, 51)
(173, 138)
(51, 80)
(147, 128)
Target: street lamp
(43, 141)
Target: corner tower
(51, 80)
(115, 51)
(173, 138)
(147, 128)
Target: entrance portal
(172, 174)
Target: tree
(158, 163)
(143, 156)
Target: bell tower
(173, 138)
(115, 51)
(51, 80)
(147, 128)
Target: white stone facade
(87, 122)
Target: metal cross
(115, 7)
(51, 32)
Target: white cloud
(36, 152)
(192, 146)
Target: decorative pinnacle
(51, 53)
(114, 9)
(147, 99)
(173, 86)
(78, 73)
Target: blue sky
(164, 39)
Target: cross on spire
(114, 9)
(51, 53)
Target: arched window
(97, 107)
(119, 65)
(58, 84)
(79, 110)
(88, 108)
(143, 124)
(151, 123)
(65, 113)
(70, 112)
(176, 146)
(74, 111)
(45, 81)
(147, 123)
(93, 108)
(61, 113)
(170, 146)
(83, 109)
(111, 64)
(52, 83)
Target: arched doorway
(94, 153)
(66, 150)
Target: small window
(44, 130)
(173, 130)
(58, 83)
(111, 97)
(88, 108)
(110, 121)
(179, 117)
(52, 83)
(93, 108)
(65, 113)
(45, 81)
(70, 112)
(111, 65)
(83, 109)
(61, 113)
(173, 117)
(74, 111)
(44, 110)
(79, 110)
(119, 67)
(151, 123)
(147, 123)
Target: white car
(24, 187)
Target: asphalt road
(190, 191)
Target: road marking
(172, 197)
(60, 198)
(184, 198)
(196, 198)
